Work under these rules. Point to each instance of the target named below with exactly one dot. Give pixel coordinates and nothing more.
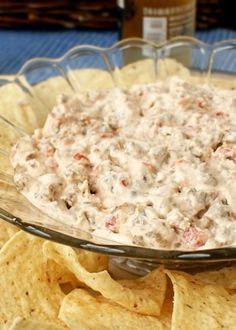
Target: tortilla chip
(168, 67)
(139, 72)
(93, 262)
(225, 81)
(149, 290)
(168, 302)
(19, 108)
(143, 71)
(90, 79)
(60, 274)
(225, 277)
(144, 295)
(81, 310)
(26, 290)
(6, 173)
(57, 85)
(33, 324)
(6, 232)
(202, 306)
(8, 136)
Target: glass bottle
(157, 20)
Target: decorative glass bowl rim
(163, 256)
(205, 49)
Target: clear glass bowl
(27, 97)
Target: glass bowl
(27, 97)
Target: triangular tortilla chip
(82, 310)
(144, 295)
(201, 306)
(25, 287)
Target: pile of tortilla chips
(45, 285)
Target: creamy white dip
(153, 165)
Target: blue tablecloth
(17, 46)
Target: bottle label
(160, 24)
(155, 28)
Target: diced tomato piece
(221, 114)
(108, 134)
(229, 152)
(224, 150)
(53, 164)
(79, 156)
(194, 237)
(111, 223)
(201, 104)
(124, 182)
(50, 151)
(61, 120)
